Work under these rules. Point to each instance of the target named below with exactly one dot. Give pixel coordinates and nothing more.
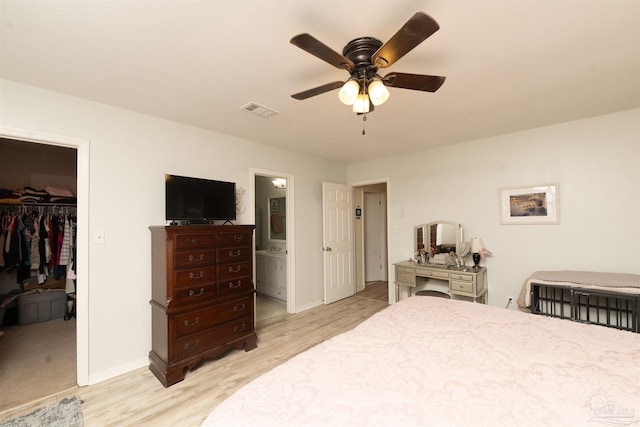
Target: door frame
(289, 224)
(387, 181)
(82, 237)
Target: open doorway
(82, 250)
(273, 218)
(371, 230)
(37, 302)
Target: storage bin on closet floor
(41, 307)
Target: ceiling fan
(362, 57)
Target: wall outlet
(510, 301)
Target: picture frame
(275, 205)
(536, 204)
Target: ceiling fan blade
(320, 50)
(318, 90)
(411, 34)
(414, 81)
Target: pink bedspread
(434, 362)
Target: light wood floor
(137, 398)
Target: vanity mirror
(438, 237)
(277, 218)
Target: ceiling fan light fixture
(362, 104)
(349, 92)
(378, 92)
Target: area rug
(63, 413)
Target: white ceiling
(510, 65)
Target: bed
(428, 361)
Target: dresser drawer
(196, 258)
(233, 254)
(194, 294)
(195, 276)
(199, 320)
(234, 270)
(234, 286)
(191, 241)
(462, 286)
(234, 239)
(195, 344)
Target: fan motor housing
(360, 50)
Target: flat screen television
(198, 201)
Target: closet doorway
(372, 260)
(274, 218)
(42, 353)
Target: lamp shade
(349, 92)
(378, 92)
(477, 245)
(362, 104)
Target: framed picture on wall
(275, 205)
(537, 204)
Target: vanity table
(438, 240)
(469, 282)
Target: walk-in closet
(38, 215)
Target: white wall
(596, 162)
(129, 155)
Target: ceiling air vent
(259, 110)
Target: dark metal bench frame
(606, 308)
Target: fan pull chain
(364, 119)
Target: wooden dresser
(202, 295)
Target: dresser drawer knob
(199, 276)
(193, 241)
(235, 285)
(241, 308)
(193, 294)
(187, 323)
(239, 329)
(235, 270)
(238, 237)
(236, 254)
(192, 258)
(191, 347)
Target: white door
(338, 242)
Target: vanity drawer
(405, 276)
(462, 286)
(436, 274)
(464, 277)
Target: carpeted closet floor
(36, 360)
